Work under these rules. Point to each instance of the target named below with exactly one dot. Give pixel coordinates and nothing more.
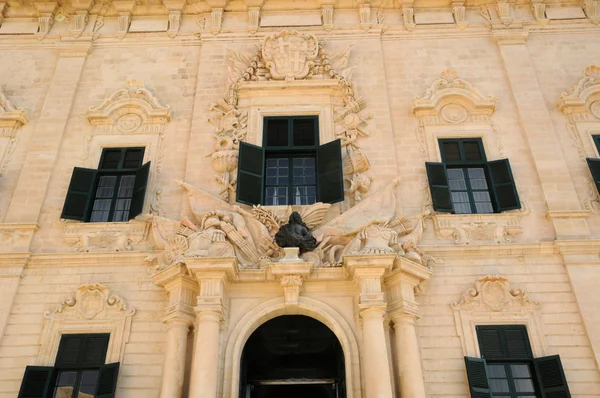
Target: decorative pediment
(91, 301)
(92, 309)
(11, 117)
(583, 100)
(133, 109)
(452, 100)
(493, 293)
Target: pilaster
(11, 272)
(47, 136)
(557, 185)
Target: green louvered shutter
(139, 190)
(503, 185)
(251, 171)
(38, 382)
(594, 165)
(80, 194)
(107, 381)
(439, 187)
(551, 377)
(479, 384)
(330, 175)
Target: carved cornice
(133, 109)
(493, 293)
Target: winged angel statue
(370, 227)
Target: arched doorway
(292, 356)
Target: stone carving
(90, 300)
(287, 56)
(583, 98)
(97, 237)
(290, 55)
(372, 227)
(468, 228)
(220, 229)
(493, 293)
(133, 109)
(295, 234)
(11, 119)
(223, 230)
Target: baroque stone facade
(403, 285)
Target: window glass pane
(111, 159)
(472, 150)
(484, 208)
(66, 378)
(63, 392)
(133, 158)
(87, 386)
(499, 385)
(451, 151)
(304, 132)
(496, 371)
(126, 186)
(520, 371)
(524, 385)
(106, 186)
(277, 132)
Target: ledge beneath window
(113, 236)
(478, 228)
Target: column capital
(375, 310)
(211, 268)
(181, 288)
(179, 320)
(400, 285)
(400, 317)
(367, 270)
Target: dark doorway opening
(292, 356)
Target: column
(181, 289)
(367, 271)
(564, 208)
(46, 138)
(408, 357)
(204, 380)
(213, 276)
(404, 311)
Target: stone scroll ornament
(254, 235)
(289, 56)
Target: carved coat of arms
(289, 55)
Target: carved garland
(11, 119)
(288, 56)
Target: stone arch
(273, 308)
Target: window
(594, 164)
(507, 367)
(78, 372)
(465, 182)
(290, 168)
(114, 192)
